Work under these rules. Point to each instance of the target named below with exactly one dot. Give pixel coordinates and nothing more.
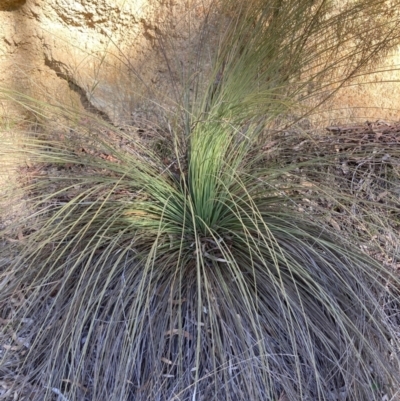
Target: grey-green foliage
(195, 278)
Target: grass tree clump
(185, 273)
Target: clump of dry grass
(196, 272)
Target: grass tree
(185, 273)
